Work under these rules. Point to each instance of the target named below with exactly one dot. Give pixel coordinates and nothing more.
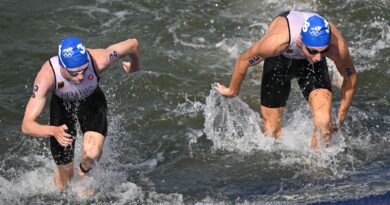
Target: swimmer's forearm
(238, 75)
(347, 92)
(134, 51)
(135, 60)
(35, 129)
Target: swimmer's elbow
(24, 129)
(350, 79)
(133, 45)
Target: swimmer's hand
(224, 90)
(341, 117)
(130, 67)
(62, 136)
(127, 66)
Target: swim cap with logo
(72, 53)
(315, 32)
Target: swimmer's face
(315, 54)
(76, 74)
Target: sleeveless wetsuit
(71, 103)
(292, 63)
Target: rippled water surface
(172, 139)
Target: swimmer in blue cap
(72, 53)
(315, 32)
(72, 80)
(296, 45)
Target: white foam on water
(164, 199)
(188, 108)
(295, 145)
(292, 5)
(193, 136)
(266, 200)
(119, 17)
(90, 10)
(107, 1)
(108, 180)
(370, 47)
(28, 184)
(233, 126)
(127, 192)
(194, 45)
(233, 46)
(110, 177)
(196, 42)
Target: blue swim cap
(72, 53)
(315, 32)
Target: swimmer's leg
(92, 151)
(320, 101)
(272, 120)
(62, 175)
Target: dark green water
(166, 142)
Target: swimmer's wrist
(233, 93)
(52, 129)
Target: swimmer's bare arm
(346, 68)
(43, 85)
(274, 42)
(105, 57)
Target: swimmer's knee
(323, 121)
(93, 145)
(93, 154)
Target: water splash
(232, 125)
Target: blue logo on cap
(72, 53)
(315, 32)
